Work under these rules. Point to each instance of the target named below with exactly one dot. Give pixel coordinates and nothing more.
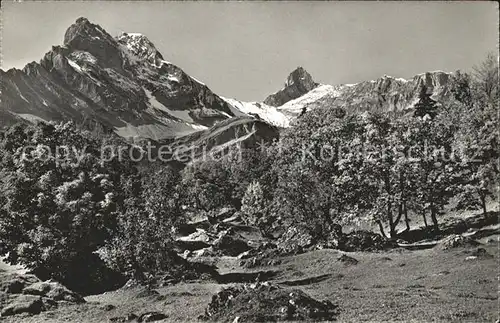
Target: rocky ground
(453, 278)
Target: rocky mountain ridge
(384, 94)
(124, 84)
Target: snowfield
(265, 112)
(294, 107)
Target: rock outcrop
(24, 293)
(265, 302)
(456, 241)
(298, 83)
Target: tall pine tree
(426, 105)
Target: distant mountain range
(124, 84)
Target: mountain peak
(84, 29)
(298, 83)
(140, 46)
(301, 77)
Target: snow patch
(22, 97)
(154, 131)
(30, 117)
(173, 78)
(265, 112)
(183, 115)
(197, 81)
(295, 107)
(126, 54)
(81, 56)
(75, 66)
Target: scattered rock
(222, 214)
(346, 260)
(481, 253)
(132, 283)
(266, 255)
(230, 244)
(151, 317)
(108, 307)
(456, 241)
(24, 304)
(259, 262)
(265, 302)
(234, 219)
(122, 319)
(205, 252)
(195, 241)
(147, 293)
(245, 255)
(53, 290)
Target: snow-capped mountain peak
(141, 47)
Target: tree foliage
(60, 205)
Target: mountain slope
(122, 83)
(261, 111)
(243, 131)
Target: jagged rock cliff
(298, 83)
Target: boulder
(151, 317)
(108, 307)
(147, 292)
(481, 253)
(30, 304)
(346, 260)
(265, 302)
(54, 290)
(195, 241)
(122, 319)
(14, 283)
(230, 244)
(456, 241)
(234, 219)
(205, 252)
(12, 286)
(222, 214)
(264, 255)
